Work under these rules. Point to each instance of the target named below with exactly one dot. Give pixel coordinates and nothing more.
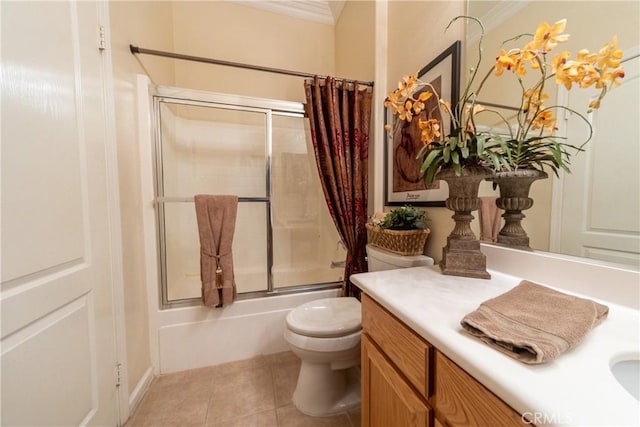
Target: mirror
(593, 212)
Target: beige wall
(416, 35)
(354, 43)
(237, 33)
(145, 24)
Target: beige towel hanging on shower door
(216, 217)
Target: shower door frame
(268, 107)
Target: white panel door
(57, 333)
(600, 215)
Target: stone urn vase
(514, 198)
(461, 256)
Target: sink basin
(627, 373)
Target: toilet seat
(326, 318)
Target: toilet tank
(380, 260)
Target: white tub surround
(577, 388)
(195, 337)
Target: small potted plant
(402, 231)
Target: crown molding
(322, 11)
(503, 10)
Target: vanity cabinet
(407, 382)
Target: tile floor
(249, 393)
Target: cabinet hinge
(102, 41)
(118, 374)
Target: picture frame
(404, 185)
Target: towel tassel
(218, 277)
(218, 274)
(219, 280)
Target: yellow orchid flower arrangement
(532, 144)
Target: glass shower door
(205, 149)
(306, 245)
(284, 238)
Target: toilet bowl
(325, 335)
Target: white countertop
(576, 389)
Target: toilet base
(322, 391)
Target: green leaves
(459, 149)
(480, 140)
(405, 218)
(537, 152)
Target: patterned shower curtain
(340, 114)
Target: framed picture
(404, 184)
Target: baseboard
(139, 391)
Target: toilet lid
(329, 317)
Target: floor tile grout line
(206, 415)
(273, 387)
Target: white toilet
(325, 335)
(381, 260)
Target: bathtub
(195, 337)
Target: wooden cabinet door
(387, 400)
(463, 401)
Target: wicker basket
(402, 242)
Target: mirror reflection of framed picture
(404, 184)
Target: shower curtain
(339, 114)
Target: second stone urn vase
(514, 198)
(461, 256)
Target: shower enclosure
(261, 151)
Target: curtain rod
(135, 49)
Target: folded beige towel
(216, 217)
(532, 323)
(490, 219)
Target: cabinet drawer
(463, 401)
(409, 352)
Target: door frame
(114, 215)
